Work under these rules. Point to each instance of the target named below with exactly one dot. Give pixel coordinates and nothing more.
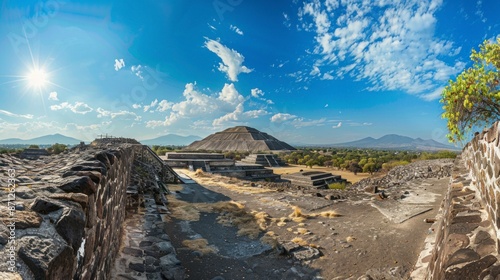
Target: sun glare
(37, 78)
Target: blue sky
(311, 72)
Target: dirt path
(375, 237)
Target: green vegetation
(359, 160)
(473, 99)
(9, 150)
(34, 147)
(337, 186)
(162, 150)
(57, 148)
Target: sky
(311, 72)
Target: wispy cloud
(236, 29)
(119, 64)
(338, 125)
(137, 70)
(10, 114)
(53, 96)
(122, 114)
(281, 117)
(77, 107)
(389, 44)
(232, 61)
(211, 26)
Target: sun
(37, 78)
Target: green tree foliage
(34, 147)
(369, 167)
(354, 167)
(57, 148)
(473, 99)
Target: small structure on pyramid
(239, 138)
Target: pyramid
(239, 138)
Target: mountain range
(397, 142)
(42, 140)
(171, 140)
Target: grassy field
(349, 176)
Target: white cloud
(232, 61)
(164, 105)
(301, 122)
(236, 29)
(122, 114)
(281, 117)
(327, 76)
(119, 64)
(211, 26)
(151, 106)
(10, 114)
(436, 94)
(326, 105)
(257, 93)
(233, 116)
(391, 45)
(137, 70)
(77, 108)
(230, 95)
(338, 125)
(136, 106)
(53, 96)
(222, 107)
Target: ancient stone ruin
(268, 160)
(313, 179)
(240, 138)
(104, 211)
(215, 163)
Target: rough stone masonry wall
(464, 242)
(69, 212)
(482, 157)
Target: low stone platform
(268, 160)
(313, 179)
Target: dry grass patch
(299, 217)
(270, 239)
(233, 184)
(200, 245)
(303, 231)
(175, 188)
(300, 241)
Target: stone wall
(482, 157)
(463, 243)
(69, 211)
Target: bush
(337, 186)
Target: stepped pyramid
(239, 138)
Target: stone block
(471, 270)
(77, 184)
(44, 205)
(95, 176)
(462, 256)
(79, 198)
(71, 226)
(24, 219)
(46, 258)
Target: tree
(369, 168)
(473, 99)
(355, 168)
(57, 148)
(34, 147)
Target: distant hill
(42, 140)
(171, 140)
(397, 142)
